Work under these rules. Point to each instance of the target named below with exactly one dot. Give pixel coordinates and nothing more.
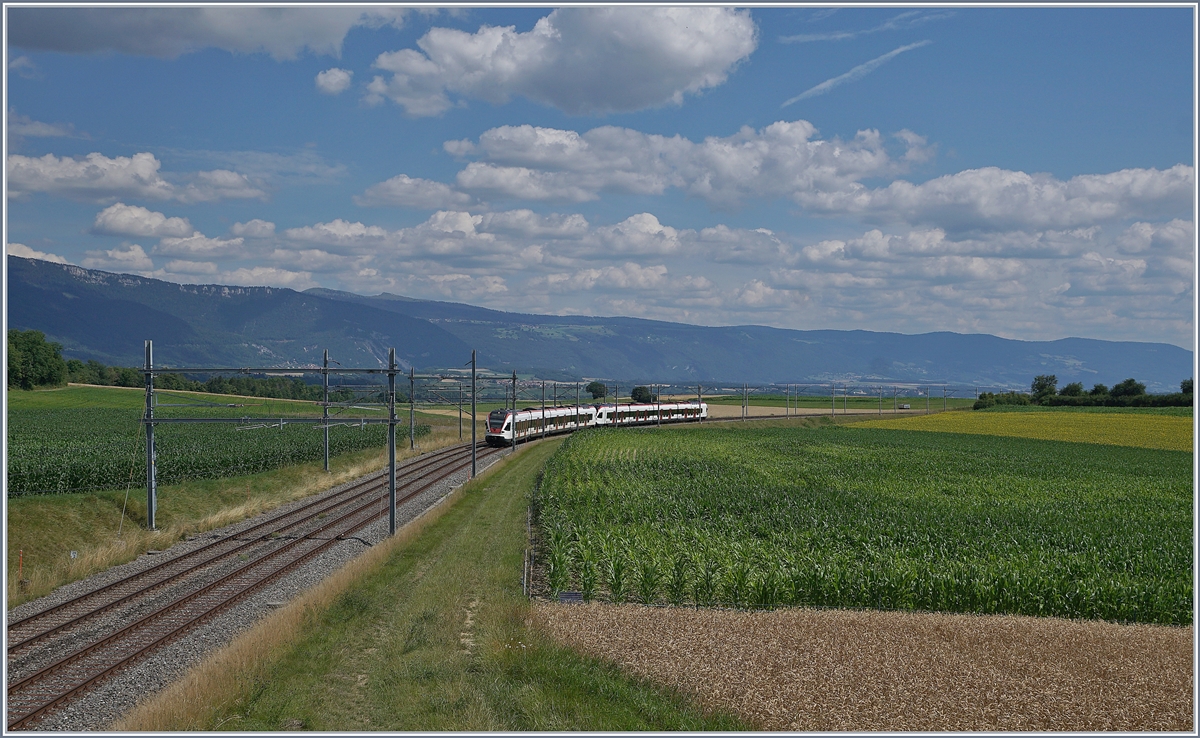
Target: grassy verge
(105, 529)
(428, 632)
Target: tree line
(34, 362)
(1044, 390)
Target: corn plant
(736, 585)
(615, 567)
(765, 588)
(679, 579)
(561, 544)
(587, 573)
(647, 576)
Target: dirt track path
(816, 670)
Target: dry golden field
(1167, 432)
(820, 670)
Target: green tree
(597, 390)
(641, 394)
(1074, 389)
(1185, 387)
(1043, 386)
(1129, 388)
(1098, 390)
(33, 361)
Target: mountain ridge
(105, 316)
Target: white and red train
(534, 422)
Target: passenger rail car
(533, 422)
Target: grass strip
(425, 632)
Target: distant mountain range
(105, 316)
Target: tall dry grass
(192, 702)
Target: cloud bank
(579, 60)
(98, 178)
(168, 33)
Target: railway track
(76, 645)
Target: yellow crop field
(1171, 433)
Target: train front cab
(499, 428)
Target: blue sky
(1026, 172)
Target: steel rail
(169, 573)
(354, 520)
(274, 524)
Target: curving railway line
(63, 651)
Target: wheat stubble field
(817, 670)
(907, 581)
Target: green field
(863, 517)
(85, 438)
(860, 402)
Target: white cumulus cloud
(780, 160)
(580, 60)
(528, 224)
(95, 177)
(99, 178)
(334, 81)
(413, 192)
(999, 199)
(219, 184)
(120, 219)
(20, 249)
(130, 258)
(338, 233)
(255, 228)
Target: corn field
(871, 518)
(64, 450)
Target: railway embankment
(56, 644)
